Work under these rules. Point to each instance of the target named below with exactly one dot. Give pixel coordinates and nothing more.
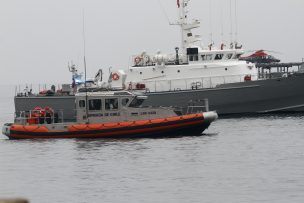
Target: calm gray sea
(238, 160)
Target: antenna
(222, 22)
(210, 22)
(85, 64)
(236, 22)
(231, 29)
(164, 12)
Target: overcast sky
(39, 37)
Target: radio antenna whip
(164, 12)
(85, 64)
(231, 29)
(210, 22)
(236, 22)
(222, 22)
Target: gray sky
(39, 37)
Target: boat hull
(263, 96)
(193, 124)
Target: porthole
(178, 71)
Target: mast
(187, 38)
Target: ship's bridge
(193, 55)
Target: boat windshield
(136, 102)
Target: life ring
(137, 60)
(49, 110)
(115, 76)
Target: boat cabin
(199, 55)
(116, 106)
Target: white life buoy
(115, 76)
(137, 60)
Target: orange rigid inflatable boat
(193, 124)
(108, 115)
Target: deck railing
(28, 90)
(38, 117)
(194, 106)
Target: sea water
(251, 159)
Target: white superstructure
(193, 66)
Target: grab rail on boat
(36, 117)
(193, 106)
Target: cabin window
(136, 102)
(95, 104)
(124, 101)
(192, 51)
(111, 104)
(209, 57)
(81, 103)
(193, 57)
(229, 56)
(237, 56)
(219, 56)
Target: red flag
(178, 4)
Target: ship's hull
(263, 96)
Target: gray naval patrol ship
(191, 75)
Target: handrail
(202, 108)
(26, 117)
(28, 90)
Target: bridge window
(237, 56)
(111, 104)
(219, 56)
(95, 104)
(136, 102)
(229, 56)
(124, 101)
(209, 57)
(203, 57)
(193, 57)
